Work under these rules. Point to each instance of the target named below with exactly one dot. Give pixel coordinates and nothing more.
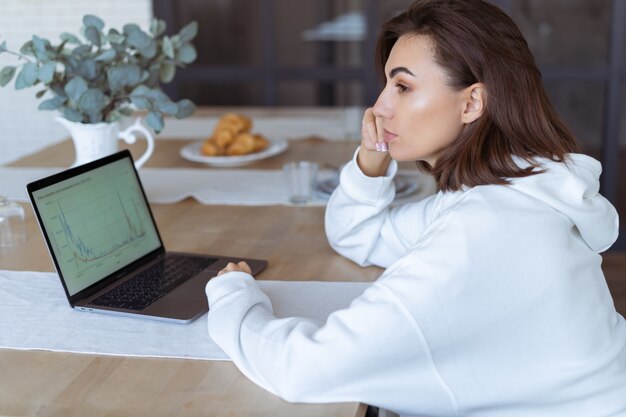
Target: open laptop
(107, 250)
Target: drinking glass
(300, 179)
(12, 227)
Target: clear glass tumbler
(300, 177)
(12, 225)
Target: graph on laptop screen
(97, 223)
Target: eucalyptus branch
(17, 54)
(105, 76)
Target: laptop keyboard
(153, 283)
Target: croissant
(211, 148)
(224, 137)
(242, 145)
(242, 123)
(260, 143)
(232, 136)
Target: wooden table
(292, 240)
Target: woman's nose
(381, 107)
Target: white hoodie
(493, 303)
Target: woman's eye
(402, 88)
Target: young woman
(493, 302)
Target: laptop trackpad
(186, 302)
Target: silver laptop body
(107, 250)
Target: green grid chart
(97, 223)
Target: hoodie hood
(572, 188)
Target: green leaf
(75, 88)
(118, 114)
(153, 77)
(113, 116)
(176, 41)
(39, 47)
(155, 121)
(186, 54)
(123, 75)
(153, 27)
(40, 93)
(126, 111)
(92, 101)
(141, 102)
(108, 55)
(88, 69)
(122, 50)
(3, 47)
(69, 38)
(144, 76)
(115, 37)
(149, 51)
(82, 50)
(157, 27)
(95, 117)
(131, 27)
(153, 94)
(95, 21)
(46, 72)
(71, 64)
(188, 32)
(167, 72)
(136, 37)
(53, 103)
(168, 48)
(27, 48)
(185, 108)
(168, 107)
(72, 115)
(6, 75)
(27, 76)
(140, 90)
(93, 35)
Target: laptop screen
(97, 222)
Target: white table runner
(35, 315)
(221, 186)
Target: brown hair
(476, 42)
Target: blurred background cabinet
(278, 52)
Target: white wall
(23, 128)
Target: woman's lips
(388, 136)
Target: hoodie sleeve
(361, 226)
(383, 360)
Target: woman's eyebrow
(397, 70)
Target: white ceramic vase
(94, 141)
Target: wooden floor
(614, 267)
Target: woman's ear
(475, 101)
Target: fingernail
(377, 146)
(384, 147)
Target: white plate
(405, 186)
(192, 153)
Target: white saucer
(405, 185)
(192, 153)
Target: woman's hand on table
(231, 267)
(373, 158)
